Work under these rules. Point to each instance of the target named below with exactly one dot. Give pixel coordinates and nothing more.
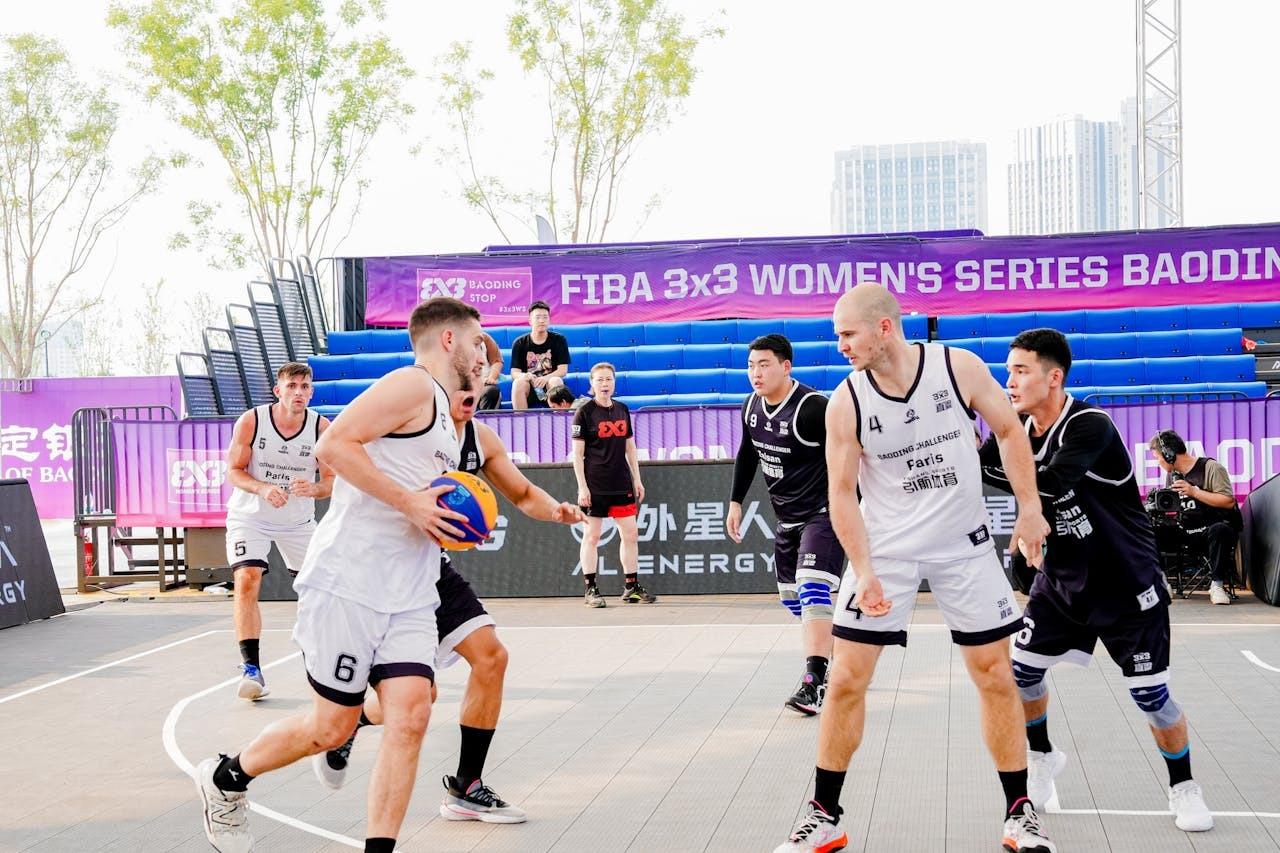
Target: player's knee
(492, 662)
(815, 600)
(1030, 681)
(248, 581)
(790, 599)
(331, 733)
(554, 382)
(1156, 702)
(591, 540)
(991, 673)
(410, 720)
(520, 383)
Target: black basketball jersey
(794, 463)
(471, 457)
(1101, 560)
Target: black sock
(826, 790)
(249, 652)
(1014, 783)
(589, 579)
(1038, 734)
(364, 721)
(230, 776)
(379, 845)
(1179, 764)
(631, 580)
(816, 666)
(471, 756)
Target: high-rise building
(1158, 173)
(918, 186)
(58, 346)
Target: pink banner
(172, 473)
(35, 428)
(804, 277)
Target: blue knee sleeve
(790, 599)
(1157, 704)
(815, 600)
(1030, 680)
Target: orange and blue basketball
(473, 498)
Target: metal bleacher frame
(293, 308)
(252, 351)
(228, 373)
(315, 304)
(270, 320)
(199, 392)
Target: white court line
(1253, 659)
(101, 667)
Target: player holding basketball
(272, 464)
(784, 432)
(367, 592)
(1101, 576)
(607, 466)
(900, 434)
(466, 629)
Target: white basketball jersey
(920, 479)
(367, 552)
(277, 459)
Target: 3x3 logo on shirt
(612, 429)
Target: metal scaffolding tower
(1159, 42)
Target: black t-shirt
(539, 359)
(789, 443)
(604, 431)
(1101, 562)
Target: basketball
(473, 498)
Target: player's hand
(423, 509)
(584, 498)
(303, 488)
(1182, 487)
(273, 495)
(567, 513)
(733, 521)
(1028, 536)
(639, 490)
(869, 596)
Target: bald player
(466, 630)
(900, 436)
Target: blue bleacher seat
(502, 335)
(692, 399)
(643, 383)
(1214, 341)
(1162, 344)
(729, 399)
(836, 374)
(1260, 315)
(346, 390)
(578, 336)
(814, 377)
(659, 334)
(663, 357)
(387, 340)
(915, 327)
(324, 394)
(326, 367)
(1001, 372)
(995, 350)
(1106, 345)
(579, 358)
(374, 365)
(807, 329)
(738, 355)
(714, 332)
(1008, 325)
(623, 358)
(749, 330)
(1214, 316)
(643, 401)
(1107, 320)
(621, 334)
(973, 345)
(328, 411)
(1081, 373)
(703, 381)
(1067, 322)
(343, 343)
(1172, 371)
(1120, 372)
(958, 327)
(1228, 368)
(1162, 319)
(810, 353)
(704, 356)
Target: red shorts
(612, 506)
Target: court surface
(640, 728)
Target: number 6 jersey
(919, 477)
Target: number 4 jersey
(919, 477)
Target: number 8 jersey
(919, 477)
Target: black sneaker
(808, 696)
(331, 767)
(637, 593)
(478, 802)
(592, 597)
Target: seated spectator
(1209, 511)
(491, 397)
(560, 399)
(539, 360)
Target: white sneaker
(226, 813)
(1186, 801)
(252, 685)
(1042, 769)
(1024, 834)
(817, 832)
(1218, 594)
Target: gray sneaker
(593, 598)
(252, 686)
(478, 802)
(226, 813)
(331, 767)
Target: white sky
(776, 97)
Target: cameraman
(1209, 511)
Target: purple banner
(803, 278)
(35, 428)
(175, 474)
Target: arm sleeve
(745, 463)
(1216, 479)
(1083, 442)
(811, 420)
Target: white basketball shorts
(248, 545)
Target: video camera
(1164, 506)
